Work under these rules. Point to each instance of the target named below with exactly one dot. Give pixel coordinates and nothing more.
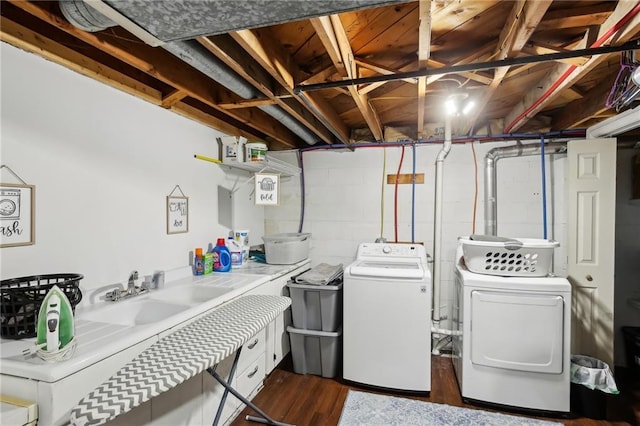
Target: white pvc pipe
(437, 223)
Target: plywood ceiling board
(366, 38)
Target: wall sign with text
(267, 189)
(177, 212)
(17, 211)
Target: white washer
(513, 348)
(387, 317)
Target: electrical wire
(599, 42)
(52, 356)
(475, 188)
(396, 194)
(624, 90)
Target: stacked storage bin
(316, 334)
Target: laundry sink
(192, 294)
(134, 312)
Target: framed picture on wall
(267, 189)
(177, 214)
(17, 214)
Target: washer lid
(381, 269)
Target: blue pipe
(544, 189)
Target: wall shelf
(232, 147)
(269, 165)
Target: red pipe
(633, 12)
(396, 195)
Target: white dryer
(387, 317)
(513, 348)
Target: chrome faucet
(119, 292)
(131, 286)
(114, 294)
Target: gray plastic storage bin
(316, 307)
(286, 249)
(315, 352)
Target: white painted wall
(103, 162)
(343, 201)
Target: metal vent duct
(491, 180)
(86, 17)
(188, 19)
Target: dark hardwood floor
(309, 400)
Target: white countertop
(99, 340)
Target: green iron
(56, 327)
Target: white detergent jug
(242, 238)
(236, 252)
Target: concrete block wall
(343, 192)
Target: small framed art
(177, 214)
(17, 214)
(267, 189)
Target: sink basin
(194, 294)
(134, 312)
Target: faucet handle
(146, 283)
(158, 279)
(113, 295)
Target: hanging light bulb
(451, 107)
(457, 103)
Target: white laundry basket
(509, 257)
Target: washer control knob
(386, 249)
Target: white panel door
(590, 245)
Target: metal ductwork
(490, 175)
(87, 18)
(166, 21)
(196, 55)
(518, 150)
(84, 16)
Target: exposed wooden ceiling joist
(279, 64)
(351, 76)
(424, 52)
(563, 75)
(524, 18)
(335, 41)
(167, 68)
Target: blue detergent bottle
(221, 257)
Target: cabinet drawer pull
(253, 344)
(253, 373)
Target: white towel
(321, 274)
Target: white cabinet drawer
(254, 347)
(251, 377)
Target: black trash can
(632, 350)
(591, 383)
(586, 402)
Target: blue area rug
(369, 409)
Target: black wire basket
(21, 299)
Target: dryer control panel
(388, 250)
